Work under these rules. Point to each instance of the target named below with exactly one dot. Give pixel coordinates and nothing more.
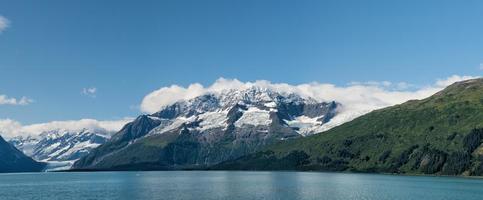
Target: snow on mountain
(60, 145)
(254, 107)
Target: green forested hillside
(442, 134)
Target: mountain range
(262, 129)
(60, 147)
(210, 129)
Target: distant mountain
(13, 160)
(440, 135)
(210, 129)
(60, 145)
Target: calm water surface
(233, 185)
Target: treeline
(423, 159)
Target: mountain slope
(442, 134)
(13, 160)
(210, 129)
(59, 144)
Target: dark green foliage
(404, 157)
(344, 153)
(473, 140)
(295, 160)
(478, 170)
(324, 160)
(384, 155)
(457, 163)
(327, 164)
(453, 119)
(432, 160)
(452, 136)
(335, 165)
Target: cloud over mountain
(356, 97)
(10, 128)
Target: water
(174, 185)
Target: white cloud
(384, 84)
(481, 66)
(441, 83)
(5, 100)
(357, 97)
(11, 128)
(90, 92)
(4, 23)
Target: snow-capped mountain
(252, 107)
(212, 128)
(60, 145)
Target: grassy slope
(430, 136)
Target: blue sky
(53, 51)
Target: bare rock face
(210, 129)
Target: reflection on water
(233, 185)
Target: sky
(103, 60)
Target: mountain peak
(60, 144)
(212, 128)
(467, 84)
(462, 91)
(227, 99)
